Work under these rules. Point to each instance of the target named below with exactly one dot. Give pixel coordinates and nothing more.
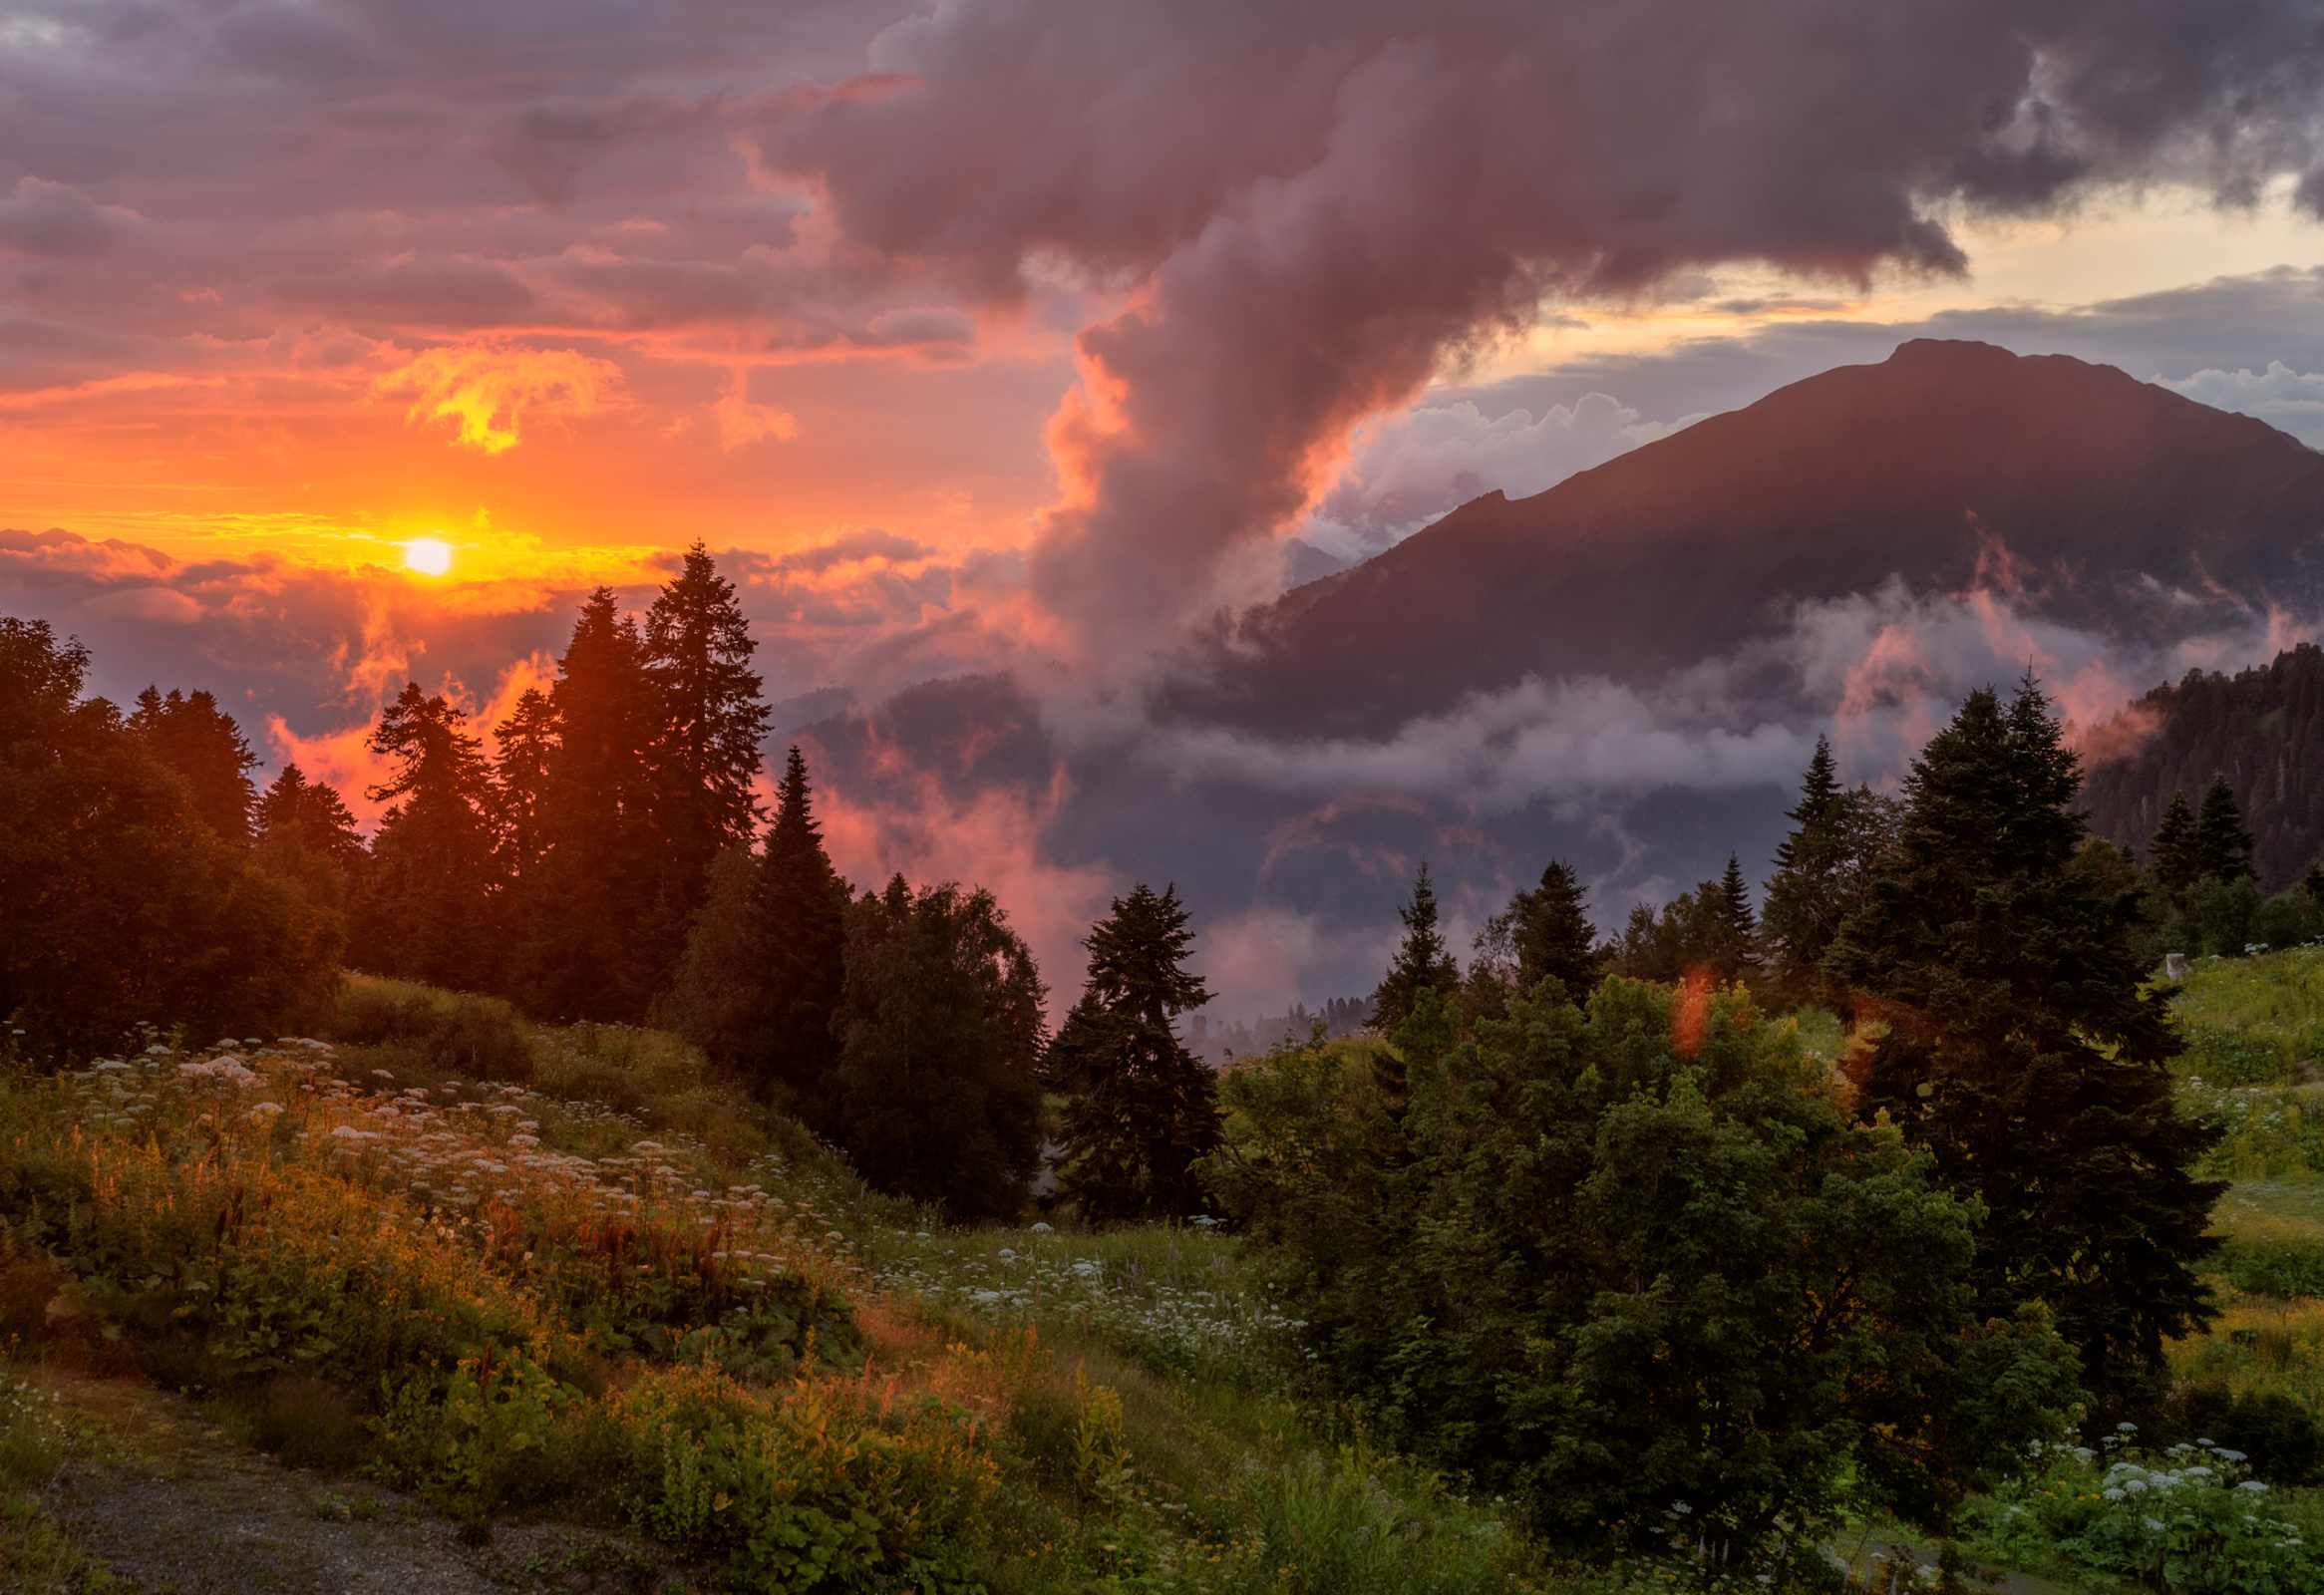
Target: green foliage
(1549, 932)
(118, 903)
(426, 907)
(1705, 935)
(479, 1037)
(766, 961)
(1139, 1108)
(2185, 1521)
(1618, 1258)
(2021, 1047)
(940, 1040)
(1825, 869)
(1422, 961)
(190, 735)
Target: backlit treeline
(607, 859)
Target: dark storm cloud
(1319, 202)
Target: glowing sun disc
(428, 556)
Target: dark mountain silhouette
(2263, 728)
(2098, 500)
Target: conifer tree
(1421, 960)
(428, 907)
(1141, 1108)
(1738, 930)
(802, 910)
(698, 651)
(1550, 934)
(2171, 851)
(528, 742)
(2022, 1051)
(1825, 870)
(192, 735)
(586, 908)
(2223, 847)
(940, 1042)
(316, 815)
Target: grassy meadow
(524, 1273)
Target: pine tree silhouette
(1141, 1108)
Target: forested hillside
(2263, 729)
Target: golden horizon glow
(430, 557)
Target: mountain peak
(1681, 549)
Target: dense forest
(2263, 729)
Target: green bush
(2268, 1261)
(1613, 1259)
(480, 1037)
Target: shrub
(1613, 1259)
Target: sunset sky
(1015, 334)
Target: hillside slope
(2094, 498)
(2263, 728)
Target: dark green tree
(1421, 959)
(1825, 869)
(698, 651)
(1603, 1274)
(941, 1043)
(2171, 851)
(2021, 1050)
(428, 904)
(803, 907)
(1738, 929)
(192, 735)
(719, 997)
(586, 909)
(526, 742)
(1550, 934)
(120, 903)
(1139, 1107)
(317, 815)
(2223, 847)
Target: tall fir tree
(2171, 851)
(698, 651)
(1550, 934)
(2223, 845)
(1737, 928)
(192, 735)
(316, 815)
(1825, 869)
(429, 908)
(582, 949)
(1139, 1107)
(802, 910)
(2021, 1050)
(1421, 959)
(941, 1044)
(526, 743)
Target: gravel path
(173, 1507)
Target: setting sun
(430, 557)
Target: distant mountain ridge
(2105, 501)
(2263, 728)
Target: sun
(430, 557)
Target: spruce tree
(316, 815)
(582, 949)
(698, 651)
(527, 740)
(1141, 1108)
(192, 735)
(803, 914)
(2021, 1050)
(427, 908)
(941, 1043)
(1825, 869)
(1421, 960)
(2171, 851)
(2223, 847)
(1550, 934)
(1736, 930)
